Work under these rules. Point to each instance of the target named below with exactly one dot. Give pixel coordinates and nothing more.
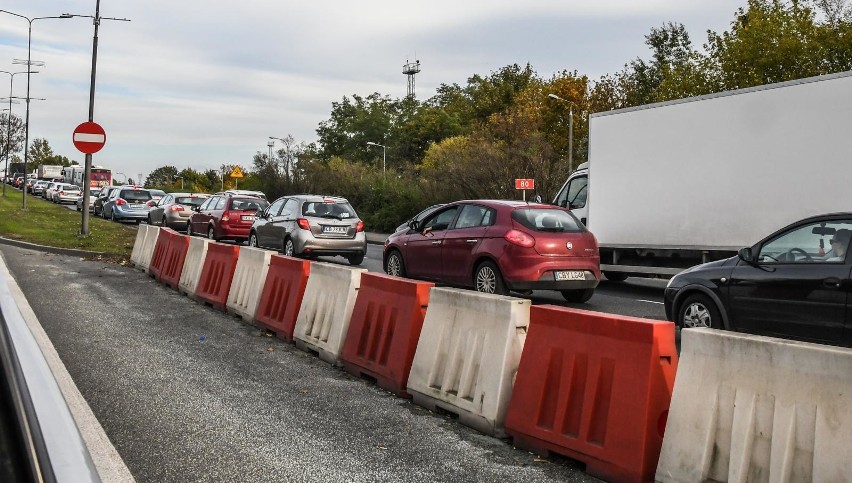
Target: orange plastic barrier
(174, 257)
(594, 387)
(217, 274)
(158, 258)
(384, 330)
(282, 295)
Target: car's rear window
(248, 205)
(135, 195)
(321, 209)
(187, 200)
(547, 220)
(71, 187)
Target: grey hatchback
(311, 225)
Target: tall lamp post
(29, 70)
(96, 20)
(181, 182)
(9, 119)
(384, 154)
(570, 129)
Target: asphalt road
(187, 393)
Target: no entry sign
(89, 137)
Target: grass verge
(49, 224)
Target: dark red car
(497, 246)
(225, 217)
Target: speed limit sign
(524, 184)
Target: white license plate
(248, 218)
(137, 207)
(570, 275)
(334, 229)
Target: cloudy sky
(197, 83)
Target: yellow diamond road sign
(237, 172)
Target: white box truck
(674, 184)
(49, 171)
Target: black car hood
(728, 262)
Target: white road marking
(651, 301)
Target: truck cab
(575, 192)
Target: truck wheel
(615, 276)
(578, 295)
(487, 279)
(698, 310)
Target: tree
(163, 176)
(40, 152)
(11, 143)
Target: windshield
(547, 220)
(248, 205)
(340, 210)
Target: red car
(497, 246)
(225, 217)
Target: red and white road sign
(89, 137)
(524, 184)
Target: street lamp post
(570, 129)
(181, 182)
(9, 119)
(29, 70)
(384, 154)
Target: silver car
(310, 226)
(127, 203)
(66, 193)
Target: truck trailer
(49, 171)
(675, 184)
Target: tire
(289, 248)
(395, 265)
(211, 234)
(577, 295)
(699, 310)
(252, 241)
(356, 259)
(188, 228)
(487, 279)
(615, 276)
(112, 216)
(150, 222)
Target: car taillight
(519, 238)
(177, 208)
(120, 202)
(303, 224)
(359, 227)
(226, 216)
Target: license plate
(334, 229)
(137, 207)
(570, 275)
(248, 218)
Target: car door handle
(436, 242)
(831, 282)
(471, 240)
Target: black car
(794, 283)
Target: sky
(197, 84)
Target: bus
(100, 177)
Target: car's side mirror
(196, 208)
(260, 214)
(537, 198)
(414, 225)
(746, 255)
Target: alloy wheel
(697, 315)
(394, 265)
(486, 280)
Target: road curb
(56, 250)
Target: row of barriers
(590, 386)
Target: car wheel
(615, 276)
(289, 247)
(188, 228)
(149, 221)
(253, 240)
(112, 216)
(210, 234)
(578, 295)
(356, 259)
(698, 310)
(395, 266)
(487, 279)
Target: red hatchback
(497, 246)
(225, 217)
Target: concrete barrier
(147, 252)
(192, 265)
(468, 354)
(326, 309)
(138, 243)
(247, 285)
(751, 408)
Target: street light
(29, 71)
(570, 129)
(181, 182)
(384, 154)
(9, 119)
(286, 142)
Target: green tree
(14, 142)
(40, 152)
(162, 177)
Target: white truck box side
(721, 171)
